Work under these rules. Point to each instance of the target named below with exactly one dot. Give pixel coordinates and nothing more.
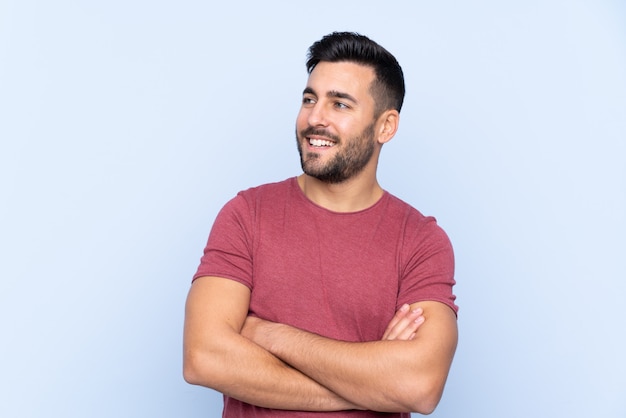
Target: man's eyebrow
(331, 94)
(340, 95)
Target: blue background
(126, 125)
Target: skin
(277, 366)
(337, 104)
(218, 356)
(386, 375)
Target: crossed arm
(277, 366)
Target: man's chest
(339, 281)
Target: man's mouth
(320, 142)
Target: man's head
(350, 107)
(387, 89)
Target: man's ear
(388, 123)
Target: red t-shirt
(340, 275)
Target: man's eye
(308, 100)
(341, 105)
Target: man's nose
(318, 115)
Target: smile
(320, 142)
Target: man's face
(335, 126)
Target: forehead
(344, 77)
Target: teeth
(320, 143)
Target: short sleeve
(228, 253)
(427, 272)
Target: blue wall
(125, 125)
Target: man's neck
(350, 196)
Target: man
(324, 293)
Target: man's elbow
(426, 405)
(423, 397)
(191, 373)
(196, 369)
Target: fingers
(404, 324)
(404, 309)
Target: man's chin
(325, 177)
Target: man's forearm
(218, 357)
(247, 372)
(350, 369)
(387, 376)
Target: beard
(346, 163)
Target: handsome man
(324, 293)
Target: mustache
(312, 131)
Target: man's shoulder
(274, 189)
(401, 205)
(266, 196)
(413, 219)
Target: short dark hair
(388, 86)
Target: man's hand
(404, 324)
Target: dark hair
(388, 86)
